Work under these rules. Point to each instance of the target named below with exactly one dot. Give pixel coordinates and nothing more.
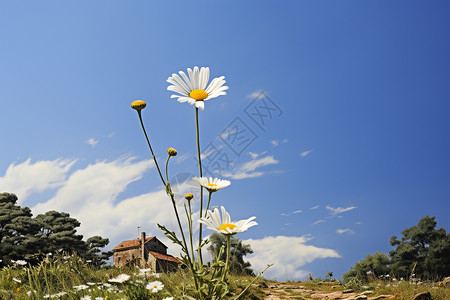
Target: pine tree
(238, 251)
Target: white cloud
(315, 207)
(298, 211)
(180, 158)
(339, 210)
(257, 94)
(92, 142)
(211, 151)
(318, 222)
(111, 134)
(342, 231)
(27, 178)
(289, 255)
(247, 170)
(277, 142)
(304, 153)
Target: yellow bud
(138, 105)
(172, 152)
(189, 196)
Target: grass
(71, 277)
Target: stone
(366, 293)
(348, 291)
(423, 296)
(382, 297)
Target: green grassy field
(68, 277)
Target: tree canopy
(422, 252)
(238, 250)
(23, 237)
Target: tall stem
(164, 183)
(150, 146)
(200, 260)
(190, 227)
(227, 262)
(207, 206)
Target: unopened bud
(172, 152)
(138, 105)
(189, 196)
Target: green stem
(227, 262)
(190, 226)
(200, 260)
(253, 281)
(150, 146)
(164, 183)
(207, 206)
(167, 165)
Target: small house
(148, 252)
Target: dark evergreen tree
(26, 238)
(18, 230)
(94, 254)
(238, 251)
(375, 265)
(58, 232)
(422, 250)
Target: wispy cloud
(339, 210)
(111, 134)
(289, 254)
(92, 142)
(277, 142)
(257, 94)
(297, 211)
(180, 158)
(305, 153)
(314, 207)
(342, 231)
(318, 222)
(26, 178)
(210, 152)
(248, 169)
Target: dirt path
(286, 291)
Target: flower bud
(138, 105)
(189, 196)
(172, 152)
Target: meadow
(71, 277)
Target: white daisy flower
(155, 286)
(223, 224)
(120, 279)
(212, 185)
(80, 287)
(19, 262)
(194, 89)
(169, 298)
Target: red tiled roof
(164, 257)
(131, 244)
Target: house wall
(121, 258)
(156, 246)
(165, 266)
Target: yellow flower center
(211, 184)
(227, 225)
(198, 95)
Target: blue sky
(354, 150)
